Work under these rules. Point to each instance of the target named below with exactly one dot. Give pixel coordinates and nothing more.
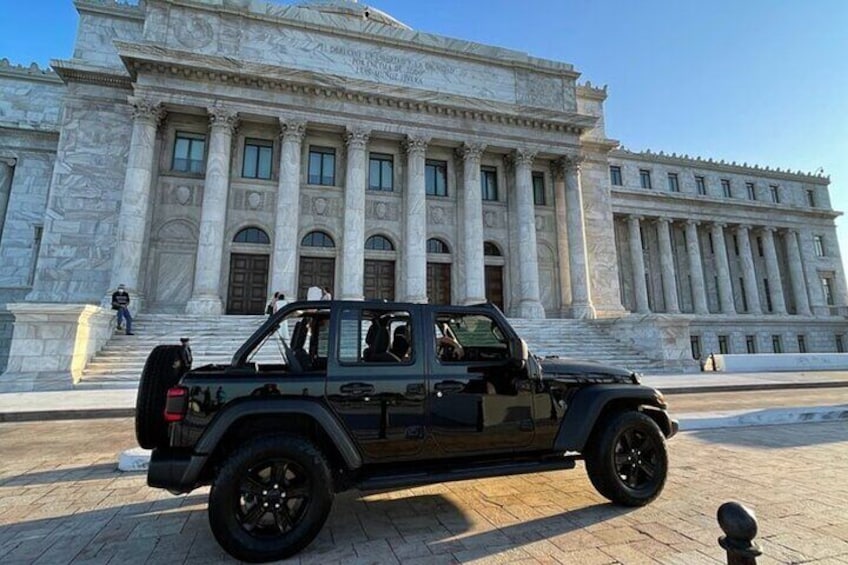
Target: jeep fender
(588, 403)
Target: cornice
(658, 202)
(35, 129)
(408, 39)
(111, 8)
(72, 71)
(586, 90)
(148, 58)
(721, 166)
(32, 72)
(599, 145)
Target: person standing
(272, 304)
(326, 294)
(121, 303)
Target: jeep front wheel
(627, 460)
(270, 498)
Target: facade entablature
(146, 61)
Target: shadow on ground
(783, 437)
(65, 475)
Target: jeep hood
(565, 369)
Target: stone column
(637, 259)
(669, 278)
(472, 228)
(749, 275)
(778, 304)
(7, 171)
(796, 274)
(415, 220)
(287, 219)
(530, 305)
(725, 287)
(696, 269)
(135, 197)
(581, 292)
(206, 296)
(353, 239)
(558, 174)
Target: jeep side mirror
(520, 353)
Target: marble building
(208, 152)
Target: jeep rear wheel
(627, 460)
(162, 370)
(270, 499)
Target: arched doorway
(438, 272)
(494, 274)
(379, 268)
(247, 291)
(317, 263)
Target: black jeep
(328, 396)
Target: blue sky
(757, 81)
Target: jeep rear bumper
(176, 472)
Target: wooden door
(439, 283)
(494, 285)
(379, 280)
(248, 289)
(315, 271)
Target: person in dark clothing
(121, 303)
(185, 354)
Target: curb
(750, 387)
(767, 417)
(66, 414)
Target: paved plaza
(61, 501)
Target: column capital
(767, 229)
(691, 222)
(221, 117)
(635, 218)
(787, 231)
(719, 225)
(357, 138)
(573, 161)
(293, 130)
(8, 161)
(415, 144)
(663, 220)
(144, 109)
(521, 157)
(470, 151)
(743, 228)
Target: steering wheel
(449, 349)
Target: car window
(375, 336)
(477, 331)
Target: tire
(162, 370)
(266, 471)
(627, 459)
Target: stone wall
(30, 98)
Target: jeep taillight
(176, 404)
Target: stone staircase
(214, 339)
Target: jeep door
(477, 401)
(375, 378)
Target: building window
(380, 167)
(489, 183)
(491, 250)
(712, 249)
(751, 343)
(811, 198)
(437, 246)
(725, 188)
(435, 178)
(539, 189)
(322, 166)
(317, 239)
(736, 245)
(819, 242)
(615, 176)
(645, 178)
(189, 149)
(257, 159)
(695, 342)
(722, 345)
(673, 183)
(752, 191)
(38, 232)
(252, 235)
(840, 344)
(776, 346)
(701, 185)
(802, 344)
(760, 246)
(744, 294)
(768, 294)
(827, 289)
(379, 243)
(775, 193)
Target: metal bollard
(739, 525)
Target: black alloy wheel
(626, 458)
(274, 498)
